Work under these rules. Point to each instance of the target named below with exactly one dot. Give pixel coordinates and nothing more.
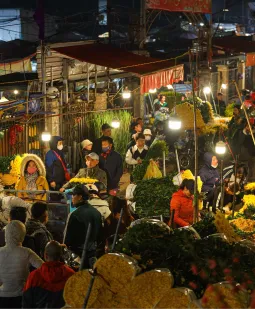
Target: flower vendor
(182, 203)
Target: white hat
(147, 132)
(86, 143)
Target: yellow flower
(223, 226)
(83, 180)
(250, 186)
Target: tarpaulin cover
(160, 72)
(192, 6)
(162, 78)
(23, 65)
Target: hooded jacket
(183, 206)
(54, 169)
(102, 206)
(15, 261)
(44, 286)
(208, 174)
(41, 182)
(40, 234)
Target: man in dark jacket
(36, 227)
(110, 161)
(78, 222)
(210, 177)
(44, 286)
(20, 214)
(55, 164)
(106, 131)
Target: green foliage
(121, 136)
(155, 151)
(153, 196)
(5, 164)
(206, 226)
(194, 263)
(229, 110)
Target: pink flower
(205, 300)
(227, 271)
(193, 285)
(194, 269)
(236, 260)
(212, 264)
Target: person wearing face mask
(106, 132)
(182, 203)
(137, 153)
(33, 177)
(148, 137)
(56, 168)
(91, 171)
(210, 176)
(111, 162)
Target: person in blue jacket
(210, 176)
(55, 164)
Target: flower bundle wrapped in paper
(223, 226)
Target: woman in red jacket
(182, 203)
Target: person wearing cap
(78, 222)
(182, 203)
(97, 201)
(91, 171)
(148, 137)
(137, 153)
(86, 148)
(106, 131)
(111, 162)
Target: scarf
(31, 183)
(105, 154)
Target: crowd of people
(35, 271)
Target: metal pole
(142, 24)
(245, 111)
(117, 229)
(27, 124)
(92, 280)
(222, 186)
(164, 163)
(234, 197)
(177, 161)
(195, 201)
(85, 247)
(88, 83)
(43, 76)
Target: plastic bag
(152, 171)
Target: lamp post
(115, 123)
(220, 149)
(46, 136)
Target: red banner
(192, 6)
(162, 78)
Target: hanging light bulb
(220, 148)
(115, 123)
(153, 90)
(207, 90)
(170, 87)
(46, 136)
(126, 94)
(224, 86)
(16, 91)
(174, 123)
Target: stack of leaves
(155, 151)
(153, 196)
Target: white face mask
(60, 147)
(214, 166)
(148, 138)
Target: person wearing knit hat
(86, 146)
(16, 260)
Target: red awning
(116, 58)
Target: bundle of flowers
(250, 187)
(223, 226)
(75, 181)
(244, 227)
